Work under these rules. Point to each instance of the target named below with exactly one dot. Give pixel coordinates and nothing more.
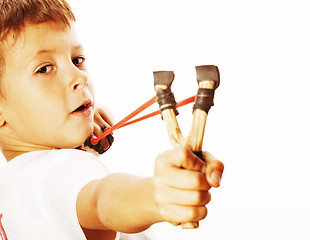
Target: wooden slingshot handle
(208, 81)
(167, 104)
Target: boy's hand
(101, 117)
(181, 183)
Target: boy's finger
(186, 179)
(181, 214)
(184, 197)
(183, 157)
(214, 170)
(97, 132)
(104, 114)
(99, 120)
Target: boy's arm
(178, 192)
(119, 202)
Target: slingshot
(208, 80)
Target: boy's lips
(84, 109)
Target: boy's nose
(79, 81)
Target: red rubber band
(179, 104)
(108, 131)
(124, 122)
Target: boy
(51, 190)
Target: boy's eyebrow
(75, 48)
(38, 53)
(41, 52)
(78, 48)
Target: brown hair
(14, 14)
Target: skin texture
(45, 82)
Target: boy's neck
(9, 155)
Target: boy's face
(45, 83)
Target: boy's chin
(76, 142)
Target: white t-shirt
(38, 192)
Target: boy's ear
(2, 119)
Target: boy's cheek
(77, 135)
(91, 89)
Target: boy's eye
(45, 69)
(78, 60)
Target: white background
(259, 126)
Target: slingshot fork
(208, 80)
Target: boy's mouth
(84, 109)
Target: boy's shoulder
(59, 162)
(40, 190)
